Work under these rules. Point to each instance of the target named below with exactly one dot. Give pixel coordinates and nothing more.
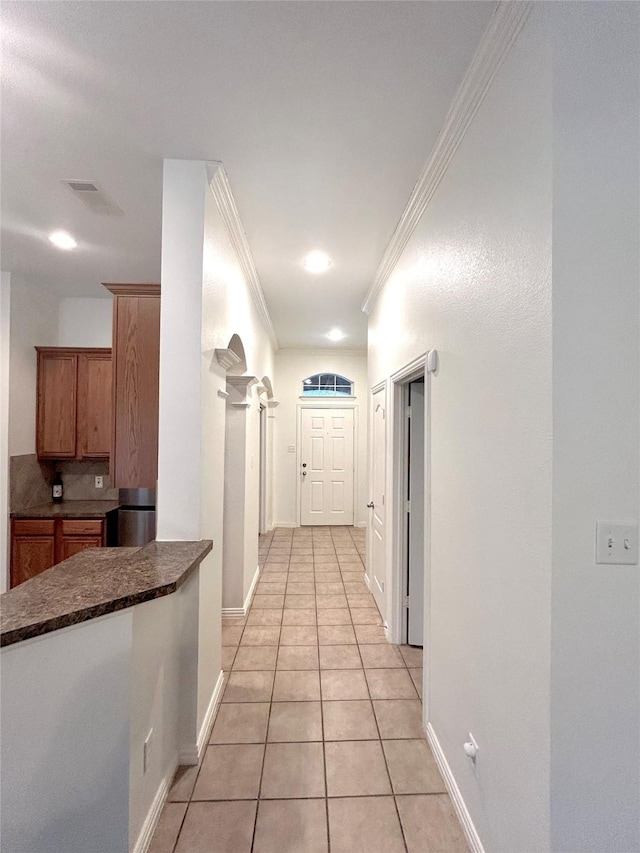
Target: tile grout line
(324, 754)
(384, 756)
(266, 734)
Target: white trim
(362, 524)
(153, 815)
(223, 394)
(471, 833)
(287, 524)
(242, 611)
(309, 398)
(221, 191)
(192, 755)
(413, 370)
(378, 387)
(329, 351)
(355, 407)
(367, 581)
(227, 358)
(249, 596)
(228, 612)
(502, 32)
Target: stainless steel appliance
(136, 517)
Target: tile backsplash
(30, 481)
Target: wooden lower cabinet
(38, 544)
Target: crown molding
(227, 358)
(271, 404)
(143, 288)
(321, 353)
(498, 39)
(221, 191)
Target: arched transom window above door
(327, 385)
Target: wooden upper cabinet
(74, 403)
(94, 404)
(136, 378)
(56, 404)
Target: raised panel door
(136, 355)
(327, 476)
(94, 405)
(30, 555)
(71, 545)
(56, 405)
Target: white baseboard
(193, 754)
(361, 524)
(285, 524)
(153, 815)
(252, 588)
(242, 611)
(233, 611)
(454, 792)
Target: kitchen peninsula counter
(110, 678)
(68, 509)
(95, 582)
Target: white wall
(85, 322)
(65, 743)
(5, 350)
(291, 368)
(205, 300)
(34, 322)
(474, 283)
(595, 711)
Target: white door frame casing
(423, 365)
(326, 404)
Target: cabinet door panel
(94, 405)
(74, 544)
(136, 378)
(56, 419)
(30, 556)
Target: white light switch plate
(617, 543)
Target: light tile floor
(317, 745)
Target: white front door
(379, 451)
(326, 466)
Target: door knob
(370, 505)
(304, 473)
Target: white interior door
(326, 466)
(415, 511)
(379, 451)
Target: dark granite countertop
(95, 582)
(68, 509)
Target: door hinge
(408, 411)
(407, 506)
(405, 601)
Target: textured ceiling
(323, 114)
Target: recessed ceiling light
(316, 262)
(335, 335)
(63, 240)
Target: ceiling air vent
(92, 197)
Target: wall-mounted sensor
(471, 748)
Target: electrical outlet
(99, 482)
(291, 448)
(146, 752)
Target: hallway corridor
(317, 745)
